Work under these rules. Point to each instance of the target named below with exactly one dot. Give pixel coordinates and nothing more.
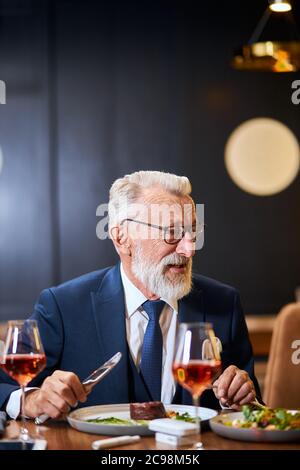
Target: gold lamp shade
(275, 43)
(280, 6)
(269, 56)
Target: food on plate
(141, 414)
(266, 418)
(111, 420)
(148, 410)
(180, 417)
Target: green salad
(266, 418)
(118, 421)
(181, 416)
(111, 420)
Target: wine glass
(197, 362)
(23, 359)
(2, 347)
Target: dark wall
(97, 89)
(26, 250)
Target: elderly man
(135, 308)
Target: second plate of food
(279, 425)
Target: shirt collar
(134, 298)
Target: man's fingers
(52, 403)
(78, 389)
(225, 380)
(248, 398)
(72, 381)
(63, 391)
(37, 403)
(58, 393)
(245, 389)
(234, 388)
(238, 381)
(58, 402)
(224, 402)
(235, 407)
(51, 410)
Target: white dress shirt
(136, 324)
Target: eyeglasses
(174, 234)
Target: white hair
(128, 190)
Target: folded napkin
(2, 422)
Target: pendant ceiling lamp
(274, 45)
(280, 6)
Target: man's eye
(177, 231)
(174, 233)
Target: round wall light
(262, 156)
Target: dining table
(61, 436)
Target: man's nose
(186, 246)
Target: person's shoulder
(217, 296)
(88, 282)
(213, 286)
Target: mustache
(174, 258)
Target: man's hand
(234, 388)
(59, 392)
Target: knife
(92, 380)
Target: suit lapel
(109, 314)
(190, 308)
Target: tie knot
(153, 308)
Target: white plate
(246, 434)
(78, 419)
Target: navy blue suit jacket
(82, 324)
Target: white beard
(153, 276)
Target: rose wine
(196, 376)
(23, 367)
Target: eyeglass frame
(164, 229)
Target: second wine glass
(23, 358)
(197, 362)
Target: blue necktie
(151, 361)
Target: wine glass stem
(23, 432)
(198, 444)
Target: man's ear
(121, 240)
